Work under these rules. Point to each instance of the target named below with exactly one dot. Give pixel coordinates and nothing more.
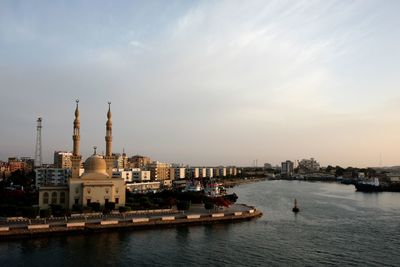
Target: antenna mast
(38, 149)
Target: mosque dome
(95, 167)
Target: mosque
(95, 184)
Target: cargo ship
(375, 185)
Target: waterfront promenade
(23, 227)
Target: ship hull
(368, 187)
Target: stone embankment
(24, 228)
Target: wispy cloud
(210, 76)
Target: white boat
(193, 186)
(214, 190)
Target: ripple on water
(336, 226)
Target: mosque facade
(95, 184)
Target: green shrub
(95, 206)
(45, 213)
(183, 205)
(123, 209)
(30, 212)
(57, 210)
(109, 206)
(77, 207)
(209, 205)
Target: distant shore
(232, 182)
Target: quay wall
(31, 231)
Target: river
(335, 226)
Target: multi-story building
(132, 175)
(209, 172)
(125, 174)
(4, 170)
(219, 171)
(120, 161)
(141, 176)
(177, 173)
(287, 168)
(159, 170)
(138, 161)
(192, 173)
(143, 187)
(62, 159)
(267, 166)
(231, 171)
(308, 165)
(202, 172)
(15, 164)
(52, 176)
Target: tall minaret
(76, 137)
(108, 157)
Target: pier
(89, 223)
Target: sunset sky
(205, 82)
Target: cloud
(228, 80)
(136, 43)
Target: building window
(76, 201)
(54, 198)
(88, 202)
(116, 200)
(62, 198)
(106, 201)
(45, 198)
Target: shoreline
(135, 223)
(232, 182)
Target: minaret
(76, 137)
(108, 157)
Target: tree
(95, 206)
(45, 213)
(183, 205)
(109, 206)
(209, 205)
(123, 209)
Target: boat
(369, 186)
(295, 208)
(193, 186)
(217, 191)
(213, 189)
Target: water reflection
(336, 225)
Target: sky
(205, 82)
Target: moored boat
(369, 186)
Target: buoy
(295, 208)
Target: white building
(120, 161)
(231, 171)
(309, 165)
(143, 187)
(209, 172)
(178, 173)
(287, 168)
(124, 174)
(220, 171)
(192, 173)
(52, 176)
(139, 175)
(202, 172)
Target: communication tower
(38, 149)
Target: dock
(135, 220)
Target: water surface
(336, 226)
